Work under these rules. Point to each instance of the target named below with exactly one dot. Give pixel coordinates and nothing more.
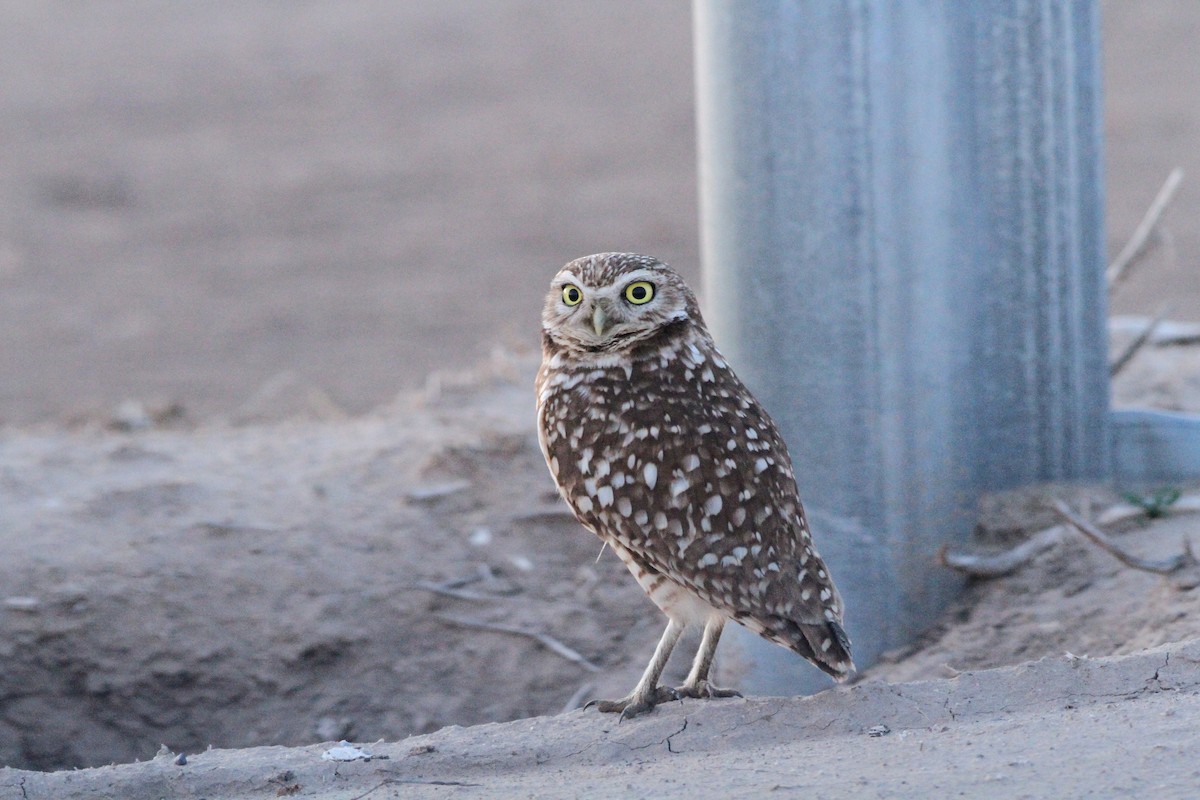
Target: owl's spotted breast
(668, 455)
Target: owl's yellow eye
(639, 292)
(571, 295)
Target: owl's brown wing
(678, 463)
(736, 532)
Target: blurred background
(202, 201)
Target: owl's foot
(703, 690)
(630, 707)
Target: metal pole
(903, 246)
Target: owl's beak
(599, 318)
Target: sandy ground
(232, 232)
(387, 576)
(1062, 727)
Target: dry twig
(1139, 341)
(450, 591)
(1158, 566)
(995, 565)
(1136, 247)
(576, 700)
(454, 586)
(545, 640)
(1000, 564)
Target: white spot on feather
(605, 495)
(650, 473)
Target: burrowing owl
(662, 452)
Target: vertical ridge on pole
(902, 233)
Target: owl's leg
(696, 684)
(647, 694)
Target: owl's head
(613, 302)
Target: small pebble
(438, 490)
(346, 752)
(22, 603)
(131, 416)
(181, 760)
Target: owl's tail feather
(842, 663)
(825, 644)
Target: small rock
(875, 731)
(181, 760)
(27, 604)
(435, 491)
(346, 752)
(131, 415)
(522, 563)
(480, 537)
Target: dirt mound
(388, 576)
(1027, 731)
(295, 583)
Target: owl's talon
(703, 690)
(632, 706)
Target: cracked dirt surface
(1060, 727)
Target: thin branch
(1158, 566)
(547, 641)
(999, 564)
(1170, 333)
(461, 594)
(402, 781)
(1137, 244)
(995, 565)
(577, 699)
(1188, 503)
(1138, 342)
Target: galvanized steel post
(903, 245)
